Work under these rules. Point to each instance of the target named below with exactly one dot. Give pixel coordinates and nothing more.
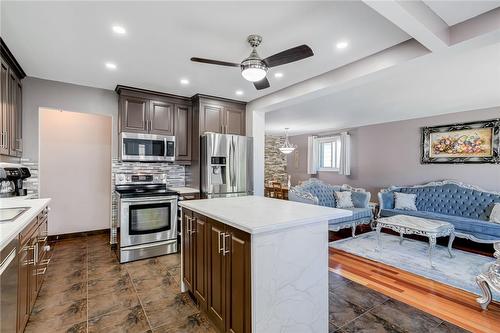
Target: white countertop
(184, 190)
(10, 230)
(256, 214)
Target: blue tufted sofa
(316, 192)
(465, 206)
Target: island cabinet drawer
(216, 271)
(25, 234)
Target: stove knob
(121, 178)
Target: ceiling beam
(352, 74)
(416, 19)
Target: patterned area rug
(412, 256)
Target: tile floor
(87, 290)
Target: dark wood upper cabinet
(134, 112)
(4, 108)
(234, 121)
(15, 144)
(144, 111)
(10, 103)
(183, 132)
(212, 118)
(161, 118)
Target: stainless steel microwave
(147, 147)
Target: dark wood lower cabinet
(220, 255)
(237, 261)
(33, 259)
(198, 227)
(216, 274)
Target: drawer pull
(45, 262)
(43, 239)
(41, 271)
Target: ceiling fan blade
(262, 84)
(215, 62)
(288, 56)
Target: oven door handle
(150, 199)
(143, 246)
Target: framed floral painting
(474, 142)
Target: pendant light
(287, 147)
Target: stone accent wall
(275, 162)
(176, 177)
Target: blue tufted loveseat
(465, 206)
(316, 192)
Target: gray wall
(389, 154)
(65, 96)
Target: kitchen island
(258, 264)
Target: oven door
(147, 147)
(147, 219)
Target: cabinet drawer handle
(45, 262)
(43, 239)
(226, 236)
(41, 271)
(188, 224)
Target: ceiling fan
(254, 68)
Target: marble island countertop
(10, 230)
(256, 214)
(184, 190)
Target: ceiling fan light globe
(253, 74)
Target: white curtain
(345, 154)
(312, 153)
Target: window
(329, 153)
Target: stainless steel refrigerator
(226, 165)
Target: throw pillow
(344, 199)
(405, 201)
(495, 213)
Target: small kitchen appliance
(11, 179)
(147, 216)
(141, 147)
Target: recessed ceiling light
(119, 30)
(110, 65)
(184, 82)
(239, 92)
(342, 45)
(278, 75)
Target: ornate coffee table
(489, 279)
(405, 224)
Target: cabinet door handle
(193, 230)
(220, 247)
(226, 236)
(188, 222)
(41, 271)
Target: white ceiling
(72, 41)
(453, 12)
(431, 85)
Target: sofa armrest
(302, 196)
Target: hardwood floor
(450, 304)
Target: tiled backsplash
(177, 176)
(31, 184)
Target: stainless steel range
(147, 214)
